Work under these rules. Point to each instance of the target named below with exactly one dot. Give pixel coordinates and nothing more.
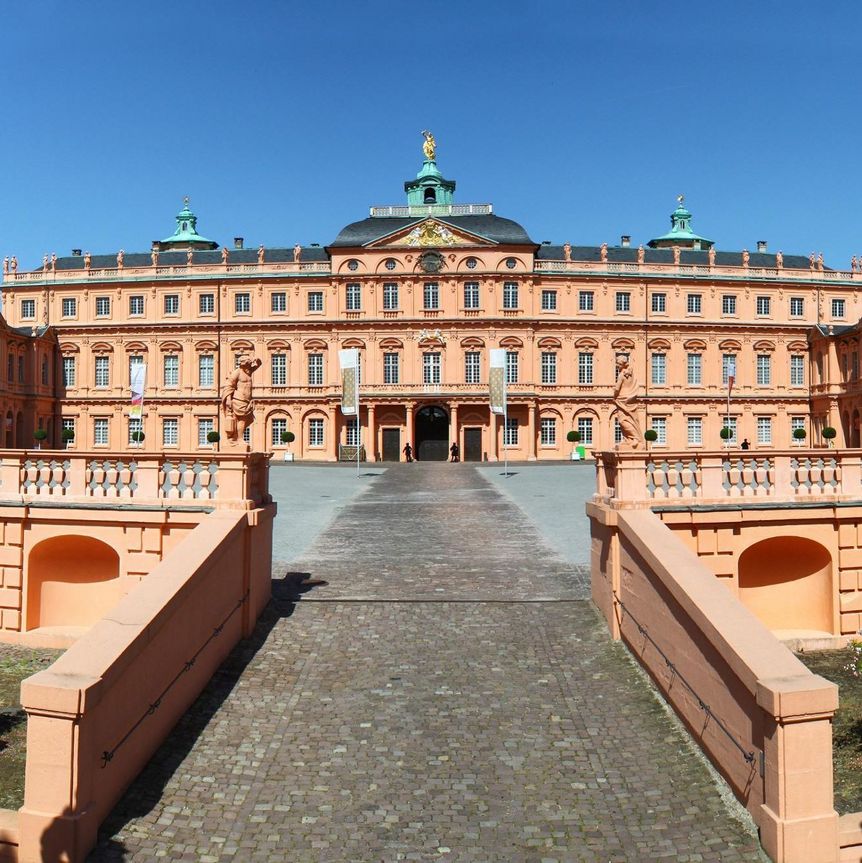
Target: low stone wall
(762, 718)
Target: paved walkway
(421, 705)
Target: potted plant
(726, 434)
(650, 436)
(799, 435)
(68, 435)
(138, 437)
(574, 437)
(288, 437)
(40, 435)
(828, 434)
(213, 437)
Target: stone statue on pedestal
(237, 402)
(625, 401)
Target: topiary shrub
(799, 434)
(40, 434)
(726, 433)
(138, 436)
(651, 435)
(573, 436)
(213, 437)
(67, 435)
(288, 437)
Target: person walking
(408, 452)
(453, 453)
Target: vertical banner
(349, 360)
(138, 381)
(497, 381)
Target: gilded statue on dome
(429, 148)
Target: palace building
(425, 289)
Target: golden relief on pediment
(430, 234)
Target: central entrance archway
(432, 434)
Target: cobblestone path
(422, 706)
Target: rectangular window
(242, 303)
(390, 296)
(728, 304)
(618, 432)
(764, 370)
(549, 301)
(10, 368)
(854, 366)
(431, 368)
(797, 423)
(28, 309)
(549, 367)
(135, 425)
(837, 308)
(353, 296)
(431, 295)
(730, 422)
(693, 304)
(659, 426)
(134, 360)
(279, 427)
(797, 307)
(764, 430)
(172, 370)
(510, 295)
(695, 370)
(172, 304)
(471, 367)
(695, 431)
(100, 431)
(69, 425)
(170, 431)
(136, 305)
(102, 371)
(471, 295)
(45, 371)
(315, 432)
(658, 367)
(103, 307)
(315, 302)
(763, 305)
(351, 432)
(68, 371)
(315, 370)
(279, 370)
(510, 436)
(623, 301)
(70, 307)
(728, 368)
(511, 367)
(390, 368)
(548, 432)
(585, 427)
(659, 303)
(206, 304)
(206, 371)
(797, 371)
(20, 370)
(585, 368)
(205, 426)
(586, 301)
(278, 302)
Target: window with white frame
(431, 368)
(797, 370)
(693, 304)
(68, 424)
(797, 307)
(68, 371)
(352, 432)
(172, 304)
(69, 307)
(623, 301)
(471, 367)
(279, 370)
(315, 301)
(763, 305)
(659, 303)
(728, 367)
(431, 295)
(837, 308)
(549, 367)
(206, 304)
(278, 427)
(764, 370)
(511, 367)
(205, 426)
(618, 432)
(135, 360)
(103, 307)
(103, 371)
(549, 301)
(28, 309)
(100, 431)
(658, 368)
(510, 435)
(242, 303)
(730, 422)
(586, 301)
(510, 295)
(659, 426)
(471, 295)
(136, 305)
(353, 297)
(315, 370)
(728, 304)
(548, 431)
(695, 431)
(315, 432)
(390, 296)
(390, 368)
(170, 431)
(797, 423)
(764, 430)
(206, 370)
(171, 370)
(585, 429)
(585, 368)
(695, 370)
(278, 302)
(135, 425)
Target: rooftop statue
(237, 402)
(625, 401)
(429, 148)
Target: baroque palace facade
(425, 290)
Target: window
(585, 427)
(102, 371)
(510, 295)
(279, 370)
(390, 296)
(28, 308)
(103, 307)
(797, 371)
(659, 303)
(68, 371)
(45, 371)
(315, 370)
(206, 370)
(511, 367)
(390, 264)
(21, 370)
(172, 304)
(693, 304)
(624, 301)
(390, 368)
(70, 307)
(511, 263)
(353, 296)
(764, 430)
(837, 308)
(471, 295)
(695, 370)
(797, 423)
(728, 368)
(695, 431)
(854, 366)
(431, 294)
(135, 425)
(278, 302)
(315, 432)
(10, 368)
(170, 431)
(659, 426)
(764, 370)
(100, 431)
(431, 368)
(618, 432)
(549, 367)
(510, 436)
(797, 307)
(134, 360)
(763, 304)
(471, 367)
(315, 302)
(353, 266)
(729, 422)
(548, 432)
(172, 370)
(585, 301)
(242, 303)
(352, 432)
(279, 427)
(136, 305)
(69, 425)
(206, 304)
(728, 304)
(205, 426)
(585, 368)
(471, 263)
(549, 301)
(246, 435)
(658, 366)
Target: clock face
(431, 262)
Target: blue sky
(285, 121)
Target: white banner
(138, 373)
(497, 380)
(349, 359)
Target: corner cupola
(186, 235)
(429, 187)
(680, 233)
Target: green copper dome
(680, 233)
(186, 235)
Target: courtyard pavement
(445, 692)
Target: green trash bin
(582, 452)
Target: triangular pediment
(429, 233)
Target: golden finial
(186, 200)
(429, 148)
(681, 199)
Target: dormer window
(185, 226)
(430, 196)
